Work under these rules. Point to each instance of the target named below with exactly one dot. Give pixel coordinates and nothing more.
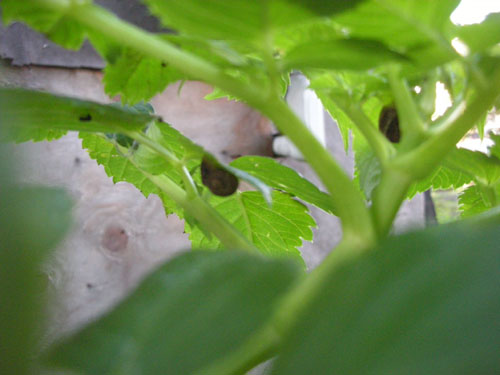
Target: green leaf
(495, 149)
(136, 77)
(418, 29)
(327, 8)
(441, 178)
(285, 179)
(349, 54)
(334, 89)
(31, 114)
(276, 230)
(183, 319)
(32, 222)
(423, 303)
(367, 171)
(227, 20)
(461, 167)
(56, 26)
(120, 168)
(479, 37)
(484, 169)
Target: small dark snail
(220, 181)
(388, 124)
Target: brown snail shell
(220, 181)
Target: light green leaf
(479, 37)
(228, 20)
(423, 303)
(136, 77)
(495, 149)
(484, 169)
(367, 171)
(120, 168)
(31, 114)
(441, 178)
(285, 179)
(56, 26)
(334, 89)
(340, 54)
(418, 29)
(186, 317)
(276, 230)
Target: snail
(388, 123)
(220, 181)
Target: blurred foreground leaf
(423, 303)
(32, 221)
(185, 317)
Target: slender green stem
(382, 148)
(346, 198)
(208, 218)
(261, 346)
(206, 215)
(412, 126)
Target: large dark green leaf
(283, 178)
(28, 114)
(423, 303)
(185, 317)
(32, 221)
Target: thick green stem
(347, 200)
(387, 198)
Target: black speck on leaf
(85, 118)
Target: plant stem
(267, 341)
(412, 126)
(208, 217)
(307, 289)
(387, 198)
(382, 148)
(346, 198)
